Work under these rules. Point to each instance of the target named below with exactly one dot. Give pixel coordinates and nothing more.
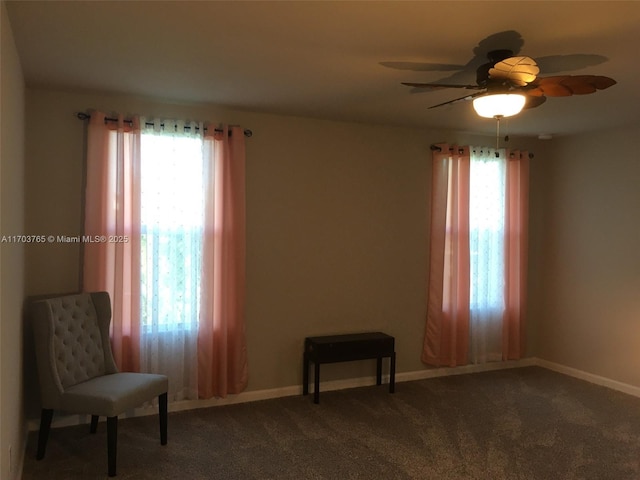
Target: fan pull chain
(506, 131)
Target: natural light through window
(172, 228)
(486, 232)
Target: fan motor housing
(494, 56)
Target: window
(477, 271)
(487, 172)
(486, 232)
(172, 218)
(177, 285)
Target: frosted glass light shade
(499, 105)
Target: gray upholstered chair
(77, 372)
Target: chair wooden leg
(43, 435)
(94, 424)
(162, 411)
(112, 444)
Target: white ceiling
(323, 59)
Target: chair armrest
(102, 304)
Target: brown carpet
(525, 423)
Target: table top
(349, 337)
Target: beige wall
(588, 299)
(337, 218)
(336, 224)
(12, 423)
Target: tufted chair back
(72, 342)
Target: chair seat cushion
(111, 395)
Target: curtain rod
(439, 149)
(85, 116)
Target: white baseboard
(256, 395)
(332, 385)
(589, 377)
(447, 371)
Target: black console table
(345, 348)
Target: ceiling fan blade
(534, 101)
(551, 87)
(579, 86)
(600, 81)
(441, 85)
(567, 85)
(466, 97)
(519, 71)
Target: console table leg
(392, 374)
(316, 383)
(305, 374)
(379, 371)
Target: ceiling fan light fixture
(499, 105)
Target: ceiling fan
(507, 84)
